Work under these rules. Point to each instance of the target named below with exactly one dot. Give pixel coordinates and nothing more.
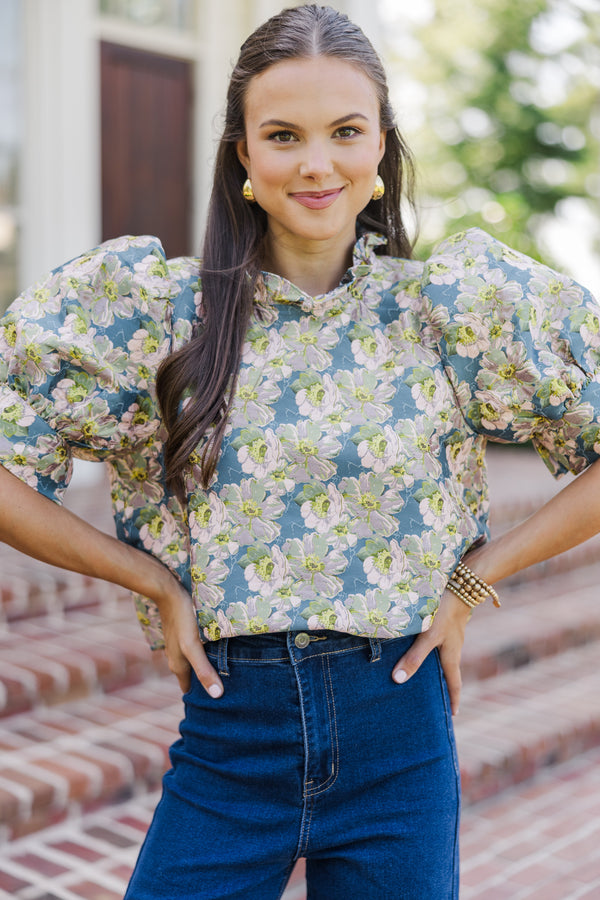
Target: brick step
(59, 761)
(90, 857)
(538, 619)
(515, 724)
(30, 588)
(48, 660)
(539, 840)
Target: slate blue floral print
(352, 477)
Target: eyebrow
(280, 123)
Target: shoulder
(474, 254)
(123, 279)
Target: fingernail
(399, 676)
(215, 690)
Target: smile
(317, 199)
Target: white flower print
(316, 396)
(252, 511)
(445, 268)
(490, 413)
(207, 516)
(430, 390)
(259, 452)
(321, 506)
(378, 448)
(472, 335)
(307, 344)
(384, 564)
(334, 616)
(489, 291)
(309, 452)
(22, 461)
(15, 415)
(266, 570)
(314, 566)
(373, 505)
(257, 616)
(430, 562)
(206, 576)
(555, 290)
(372, 348)
(420, 446)
(366, 398)
(254, 398)
(590, 328)
(435, 505)
(382, 613)
(147, 346)
(508, 370)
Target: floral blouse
(352, 477)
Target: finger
(205, 672)
(408, 664)
(180, 668)
(451, 668)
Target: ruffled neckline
(274, 289)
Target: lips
(317, 199)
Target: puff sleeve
(521, 345)
(77, 355)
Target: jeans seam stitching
(306, 798)
(305, 827)
(333, 736)
(455, 766)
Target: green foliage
(511, 124)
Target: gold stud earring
(379, 189)
(248, 192)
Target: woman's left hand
(447, 633)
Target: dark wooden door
(146, 103)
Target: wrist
(470, 587)
(483, 561)
(149, 576)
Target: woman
(314, 480)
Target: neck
(316, 267)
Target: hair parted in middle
(204, 371)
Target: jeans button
(302, 640)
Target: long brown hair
(204, 371)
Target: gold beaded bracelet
(470, 588)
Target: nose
(316, 163)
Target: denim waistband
(291, 647)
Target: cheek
(273, 174)
(367, 161)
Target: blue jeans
(313, 751)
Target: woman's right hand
(183, 647)
(35, 525)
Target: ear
(241, 149)
(382, 143)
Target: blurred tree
(511, 126)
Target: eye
(347, 131)
(282, 137)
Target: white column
(221, 31)
(60, 172)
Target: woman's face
(313, 144)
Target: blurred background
(109, 111)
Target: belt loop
(375, 645)
(222, 667)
